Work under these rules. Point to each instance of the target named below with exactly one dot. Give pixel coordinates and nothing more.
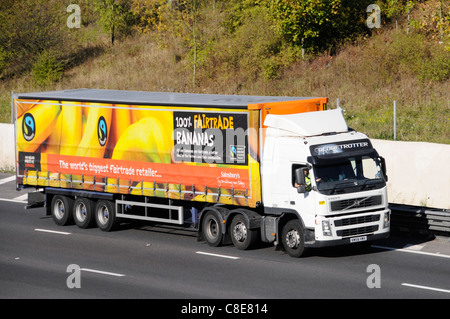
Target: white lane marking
(216, 255)
(52, 231)
(102, 272)
(12, 201)
(7, 179)
(427, 288)
(414, 247)
(412, 251)
(22, 198)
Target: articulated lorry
(234, 169)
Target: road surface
(39, 259)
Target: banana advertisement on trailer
(186, 153)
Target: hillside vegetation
(257, 47)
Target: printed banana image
(21, 108)
(96, 134)
(147, 141)
(120, 121)
(71, 118)
(72, 139)
(35, 126)
(52, 144)
(84, 116)
(140, 112)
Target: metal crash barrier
(420, 219)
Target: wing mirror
(383, 168)
(300, 180)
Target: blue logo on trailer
(102, 131)
(28, 127)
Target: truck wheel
(105, 215)
(293, 238)
(212, 231)
(62, 210)
(83, 212)
(243, 238)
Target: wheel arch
(253, 219)
(285, 217)
(220, 212)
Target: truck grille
(357, 220)
(357, 231)
(356, 203)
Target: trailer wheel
(83, 212)
(105, 215)
(243, 238)
(62, 210)
(293, 238)
(212, 231)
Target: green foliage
(250, 43)
(149, 14)
(27, 28)
(5, 58)
(115, 17)
(412, 54)
(319, 24)
(431, 17)
(396, 8)
(242, 47)
(438, 67)
(47, 69)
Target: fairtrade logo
(102, 131)
(28, 127)
(233, 153)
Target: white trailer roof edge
(156, 98)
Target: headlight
(326, 229)
(387, 218)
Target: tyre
(105, 215)
(243, 238)
(293, 238)
(61, 208)
(212, 230)
(83, 212)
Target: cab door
(303, 203)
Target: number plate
(358, 239)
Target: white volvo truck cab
(324, 181)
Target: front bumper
(344, 241)
(349, 228)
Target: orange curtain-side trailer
(191, 147)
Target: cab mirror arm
(383, 167)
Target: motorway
(39, 259)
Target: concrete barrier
(419, 173)
(7, 149)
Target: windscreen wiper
(342, 185)
(367, 182)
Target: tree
(183, 19)
(149, 14)
(28, 28)
(115, 17)
(319, 24)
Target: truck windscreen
(348, 175)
